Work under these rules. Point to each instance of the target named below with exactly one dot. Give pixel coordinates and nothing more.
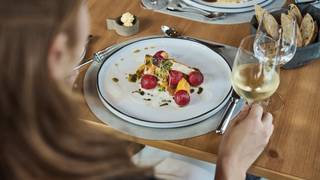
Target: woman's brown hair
(41, 137)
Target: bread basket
(305, 54)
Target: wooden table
(294, 149)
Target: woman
(41, 137)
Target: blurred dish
(207, 7)
(230, 3)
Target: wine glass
(253, 78)
(285, 34)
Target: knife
(227, 115)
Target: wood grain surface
(294, 149)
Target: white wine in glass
(253, 78)
(254, 82)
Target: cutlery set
(183, 7)
(180, 6)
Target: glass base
(275, 103)
(272, 104)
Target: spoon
(183, 8)
(171, 32)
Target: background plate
(226, 10)
(231, 5)
(118, 96)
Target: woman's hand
(243, 142)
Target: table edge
(177, 148)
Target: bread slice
(309, 29)
(259, 12)
(295, 12)
(287, 27)
(271, 25)
(299, 37)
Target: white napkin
(171, 166)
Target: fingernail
(257, 105)
(269, 114)
(246, 107)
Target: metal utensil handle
(226, 118)
(185, 6)
(178, 9)
(83, 65)
(97, 57)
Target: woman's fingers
(267, 120)
(244, 113)
(255, 113)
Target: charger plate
(101, 112)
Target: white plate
(132, 107)
(248, 3)
(226, 10)
(166, 125)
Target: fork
(183, 7)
